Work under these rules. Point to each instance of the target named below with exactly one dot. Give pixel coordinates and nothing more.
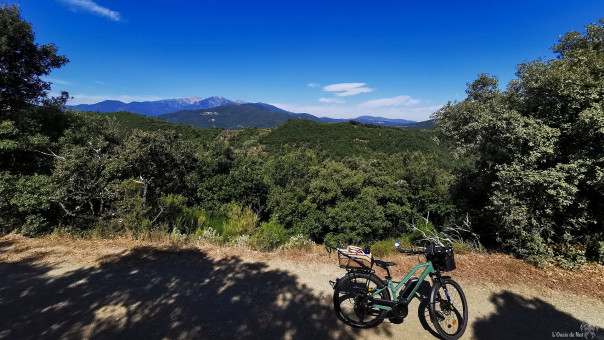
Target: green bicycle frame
(394, 289)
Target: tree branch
(161, 210)
(69, 213)
(52, 154)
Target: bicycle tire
(349, 300)
(449, 321)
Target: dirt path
(64, 288)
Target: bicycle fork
(448, 304)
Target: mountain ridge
(189, 110)
(157, 107)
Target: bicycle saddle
(383, 264)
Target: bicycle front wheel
(351, 300)
(448, 309)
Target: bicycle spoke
(353, 301)
(448, 315)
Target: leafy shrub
(338, 240)
(174, 206)
(242, 240)
(270, 236)
(215, 221)
(25, 204)
(208, 234)
(569, 257)
(241, 221)
(595, 250)
(299, 241)
(177, 236)
(190, 220)
(107, 229)
(460, 248)
(384, 247)
(35, 225)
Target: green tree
(536, 150)
(22, 62)
(288, 179)
(223, 175)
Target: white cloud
(394, 101)
(332, 100)
(93, 7)
(93, 99)
(313, 85)
(347, 89)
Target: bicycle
(363, 300)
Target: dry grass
(228, 134)
(496, 269)
(258, 149)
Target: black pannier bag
(442, 258)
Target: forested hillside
(351, 139)
(230, 117)
(427, 124)
(129, 122)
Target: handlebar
(411, 252)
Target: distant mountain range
(158, 107)
(220, 112)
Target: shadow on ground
(517, 317)
(154, 294)
(5, 244)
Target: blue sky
(339, 59)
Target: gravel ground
(70, 288)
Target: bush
(595, 250)
(108, 229)
(209, 234)
(190, 220)
(174, 206)
(34, 226)
(569, 257)
(241, 221)
(338, 240)
(241, 240)
(384, 247)
(299, 242)
(270, 236)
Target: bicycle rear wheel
(448, 309)
(351, 300)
